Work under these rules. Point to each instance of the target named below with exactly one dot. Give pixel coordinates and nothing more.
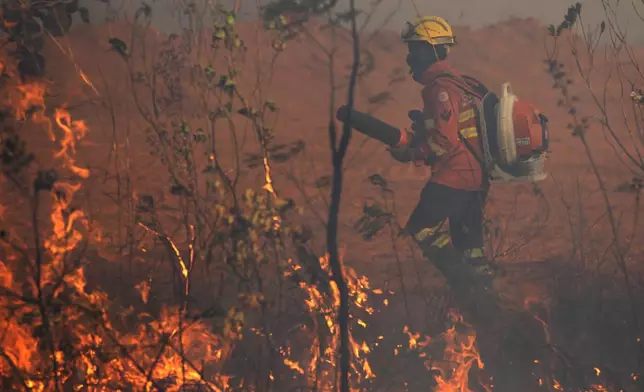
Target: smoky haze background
(472, 13)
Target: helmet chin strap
(427, 61)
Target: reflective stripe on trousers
(430, 236)
(474, 253)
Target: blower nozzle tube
(371, 126)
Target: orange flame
(460, 351)
(459, 355)
(170, 350)
(72, 131)
(321, 370)
(77, 342)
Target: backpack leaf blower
(514, 135)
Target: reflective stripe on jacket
(448, 112)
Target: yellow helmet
(431, 29)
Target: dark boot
(480, 265)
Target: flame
(197, 342)
(72, 131)
(144, 289)
(461, 351)
(30, 96)
(321, 370)
(52, 325)
(87, 348)
(459, 355)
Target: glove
(419, 133)
(401, 154)
(416, 117)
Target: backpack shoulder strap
(476, 85)
(466, 83)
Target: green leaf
(248, 112)
(551, 29)
(119, 46)
(323, 182)
(378, 180)
(270, 105)
(279, 45)
(217, 113)
(200, 136)
(230, 20)
(144, 10)
(284, 205)
(219, 34)
(84, 14)
(185, 129)
(226, 81)
(178, 189)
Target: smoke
(391, 14)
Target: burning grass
(59, 334)
(269, 324)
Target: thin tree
(338, 153)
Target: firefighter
(454, 196)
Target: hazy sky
(474, 13)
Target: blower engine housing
(515, 137)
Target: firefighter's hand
(401, 154)
(417, 123)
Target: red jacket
(448, 111)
